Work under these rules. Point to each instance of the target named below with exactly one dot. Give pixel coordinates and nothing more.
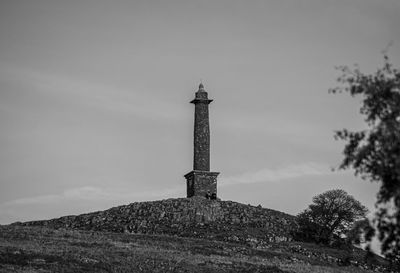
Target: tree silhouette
(374, 153)
(330, 216)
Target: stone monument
(200, 181)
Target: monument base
(201, 183)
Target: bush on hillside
(329, 218)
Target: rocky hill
(173, 235)
(185, 217)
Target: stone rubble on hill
(189, 217)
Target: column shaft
(201, 158)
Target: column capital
(197, 100)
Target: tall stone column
(201, 143)
(201, 181)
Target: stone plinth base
(199, 183)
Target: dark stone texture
(187, 217)
(201, 181)
(201, 143)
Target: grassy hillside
(42, 249)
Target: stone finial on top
(201, 87)
(201, 95)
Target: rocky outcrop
(188, 217)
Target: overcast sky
(94, 99)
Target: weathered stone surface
(189, 217)
(201, 143)
(201, 183)
(201, 180)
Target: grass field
(40, 249)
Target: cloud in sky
(89, 193)
(88, 198)
(272, 175)
(94, 98)
(75, 201)
(84, 93)
(97, 193)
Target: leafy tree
(374, 153)
(359, 232)
(330, 216)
